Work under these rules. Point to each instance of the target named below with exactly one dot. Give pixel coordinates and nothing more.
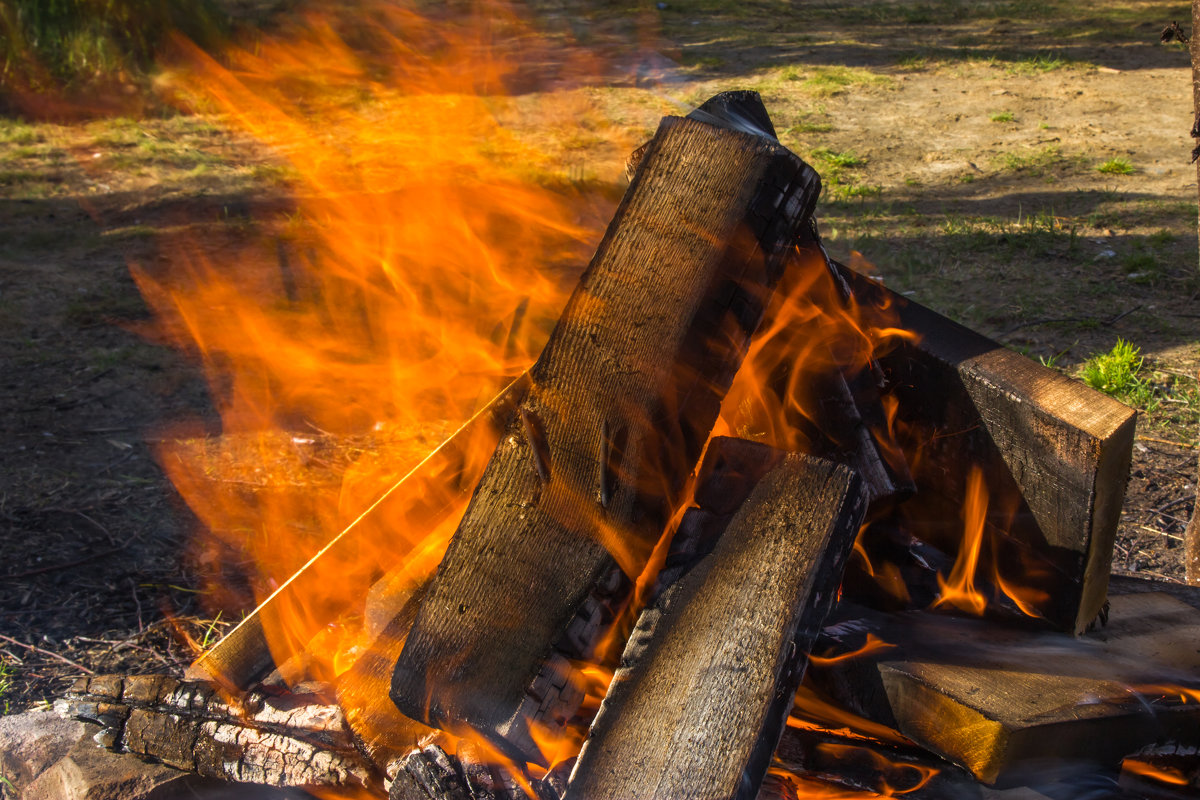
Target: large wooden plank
(708, 677)
(623, 397)
(1054, 453)
(1008, 704)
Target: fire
(1167, 775)
(432, 244)
(961, 590)
(873, 644)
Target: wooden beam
(708, 676)
(623, 397)
(1054, 453)
(1007, 703)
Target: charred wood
(707, 678)
(1008, 703)
(1054, 455)
(622, 399)
(295, 740)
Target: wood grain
(1007, 704)
(622, 399)
(708, 676)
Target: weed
(6, 683)
(838, 160)
(1116, 166)
(1033, 162)
(828, 81)
(1116, 373)
(1003, 116)
(1037, 64)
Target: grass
(1117, 373)
(838, 160)
(48, 43)
(1003, 116)
(6, 683)
(1035, 162)
(1116, 166)
(830, 81)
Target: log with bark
(623, 397)
(298, 738)
(1008, 704)
(1053, 452)
(708, 676)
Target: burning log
(622, 400)
(1006, 703)
(297, 739)
(1054, 455)
(707, 678)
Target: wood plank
(623, 397)
(1055, 455)
(1007, 703)
(708, 677)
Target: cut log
(622, 400)
(1007, 704)
(439, 484)
(295, 740)
(1054, 453)
(708, 677)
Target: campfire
(716, 517)
(750, 526)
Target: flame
(812, 711)
(958, 590)
(962, 589)
(890, 770)
(431, 244)
(873, 644)
(1162, 774)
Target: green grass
(1117, 374)
(1033, 162)
(838, 160)
(1116, 166)
(6, 683)
(1003, 116)
(829, 81)
(82, 41)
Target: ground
(1020, 167)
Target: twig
(1161, 533)
(56, 567)
(35, 649)
(1176, 502)
(1167, 441)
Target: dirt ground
(961, 146)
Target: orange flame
(433, 242)
(1167, 775)
(958, 590)
(873, 644)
